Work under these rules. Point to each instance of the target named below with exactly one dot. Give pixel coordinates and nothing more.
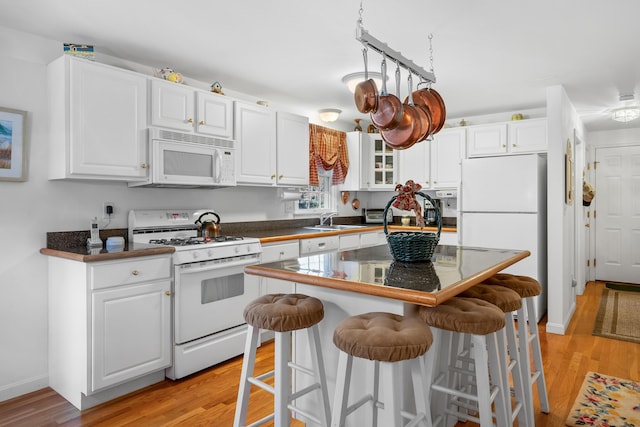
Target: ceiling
(488, 56)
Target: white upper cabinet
(180, 107)
(255, 130)
(379, 163)
(292, 135)
(413, 163)
(272, 148)
(487, 140)
(433, 164)
(447, 150)
(98, 121)
(214, 115)
(528, 136)
(515, 137)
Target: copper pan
(409, 129)
(389, 112)
(432, 100)
(366, 93)
(425, 119)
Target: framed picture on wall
(13, 153)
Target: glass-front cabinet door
(382, 167)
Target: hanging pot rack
(370, 42)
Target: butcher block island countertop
(372, 271)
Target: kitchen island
(365, 280)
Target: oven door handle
(209, 266)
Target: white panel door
(617, 216)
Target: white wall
(562, 122)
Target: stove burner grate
(193, 240)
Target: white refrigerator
(503, 204)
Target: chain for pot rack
(369, 41)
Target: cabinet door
(130, 332)
(293, 149)
(172, 105)
(381, 164)
(413, 163)
(255, 130)
(214, 115)
(446, 153)
(278, 252)
(107, 122)
(487, 140)
(528, 136)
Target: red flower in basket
(406, 200)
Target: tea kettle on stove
(209, 225)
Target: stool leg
(525, 415)
(421, 389)
(482, 360)
(391, 380)
(343, 380)
(282, 379)
(537, 357)
(376, 392)
(501, 340)
(248, 363)
(318, 368)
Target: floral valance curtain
(327, 150)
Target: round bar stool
(386, 339)
(508, 301)
(482, 322)
(283, 314)
(527, 288)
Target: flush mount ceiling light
(329, 114)
(628, 113)
(352, 80)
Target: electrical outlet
(288, 207)
(108, 207)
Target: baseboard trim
(28, 385)
(561, 328)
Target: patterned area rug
(605, 401)
(618, 316)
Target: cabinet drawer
(373, 239)
(349, 241)
(108, 274)
(272, 253)
(319, 244)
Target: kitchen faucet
(327, 215)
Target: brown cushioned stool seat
(387, 339)
(503, 298)
(478, 322)
(525, 286)
(528, 336)
(465, 315)
(508, 301)
(284, 312)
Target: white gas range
(209, 292)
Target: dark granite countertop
(72, 244)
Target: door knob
(168, 293)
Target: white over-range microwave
(179, 159)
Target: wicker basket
(412, 246)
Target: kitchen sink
(335, 227)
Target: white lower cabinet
(273, 253)
(109, 326)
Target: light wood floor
(208, 398)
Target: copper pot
(431, 99)
(209, 225)
(389, 112)
(406, 134)
(366, 93)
